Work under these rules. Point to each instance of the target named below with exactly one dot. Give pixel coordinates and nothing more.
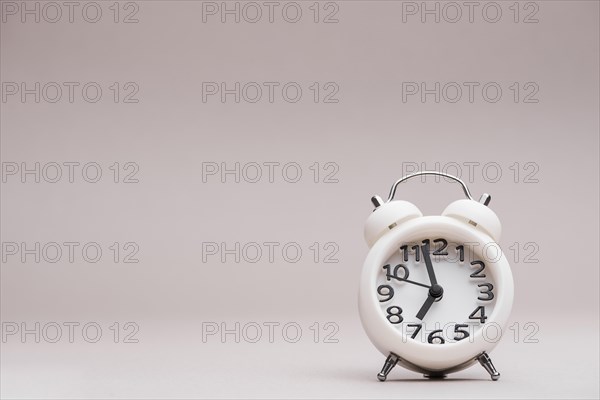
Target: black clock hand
(428, 303)
(427, 257)
(435, 292)
(409, 281)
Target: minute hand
(427, 258)
(406, 280)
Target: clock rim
(387, 339)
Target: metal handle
(420, 173)
(378, 201)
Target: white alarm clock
(435, 291)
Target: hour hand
(426, 306)
(435, 292)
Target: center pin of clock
(436, 291)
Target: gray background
(370, 134)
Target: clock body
(463, 322)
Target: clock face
(436, 290)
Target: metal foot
(486, 362)
(390, 363)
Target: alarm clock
(435, 291)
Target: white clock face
(436, 290)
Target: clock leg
(390, 363)
(486, 362)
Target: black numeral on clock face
(404, 252)
(482, 317)
(478, 274)
(394, 315)
(434, 335)
(461, 252)
(485, 289)
(386, 291)
(441, 251)
(416, 331)
(417, 250)
(463, 334)
(395, 274)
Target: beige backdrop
(351, 95)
